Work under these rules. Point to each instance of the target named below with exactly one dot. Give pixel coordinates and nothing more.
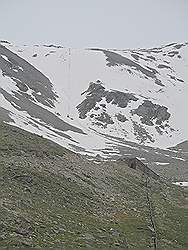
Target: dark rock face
(140, 166)
(115, 59)
(141, 134)
(149, 112)
(151, 57)
(179, 46)
(104, 119)
(22, 103)
(5, 115)
(180, 80)
(96, 92)
(173, 53)
(136, 57)
(26, 77)
(54, 46)
(120, 99)
(3, 41)
(163, 66)
(172, 77)
(121, 118)
(22, 87)
(103, 105)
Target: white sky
(94, 23)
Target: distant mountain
(101, 101)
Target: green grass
(51, 197)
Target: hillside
(52, 197)
(101, 101)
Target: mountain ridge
(44, 90)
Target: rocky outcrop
(115, 59)
(151, 113)
(96, 92)
(119, 98)
(105, 119)
(136, 164)
(121, 118)
(141, 134)
(5, 115)
(26, 76)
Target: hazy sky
(94, 23)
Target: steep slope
(97, 101)
(51, 197)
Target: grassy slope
(51, 197)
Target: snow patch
(182, 184)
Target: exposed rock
(22, 103)
(173, 53)
(151, 113)
(115, 59)
(105, 119)
(23, 87)
(96, 108)
(151, 57)
(4, 41)
(159, 130)
(172, 77)
(54, 46)
(141, 134)
(103, 105)
(5, 115)
(121, 118)
(163, 66)
(136, 57)
(120, 99)
(180, 80)
(96, 92)
(136, 164)
(27, 73)
(179, 46)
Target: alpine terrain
(96, 101)
(92, 143)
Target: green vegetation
(51, 197)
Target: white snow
(71, 71)
(5, 57)
(20, 68)
(182, 183)
(178, 158)
(141, 158)
(161, 163)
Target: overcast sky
(94, 23)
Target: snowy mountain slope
(97, 100)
